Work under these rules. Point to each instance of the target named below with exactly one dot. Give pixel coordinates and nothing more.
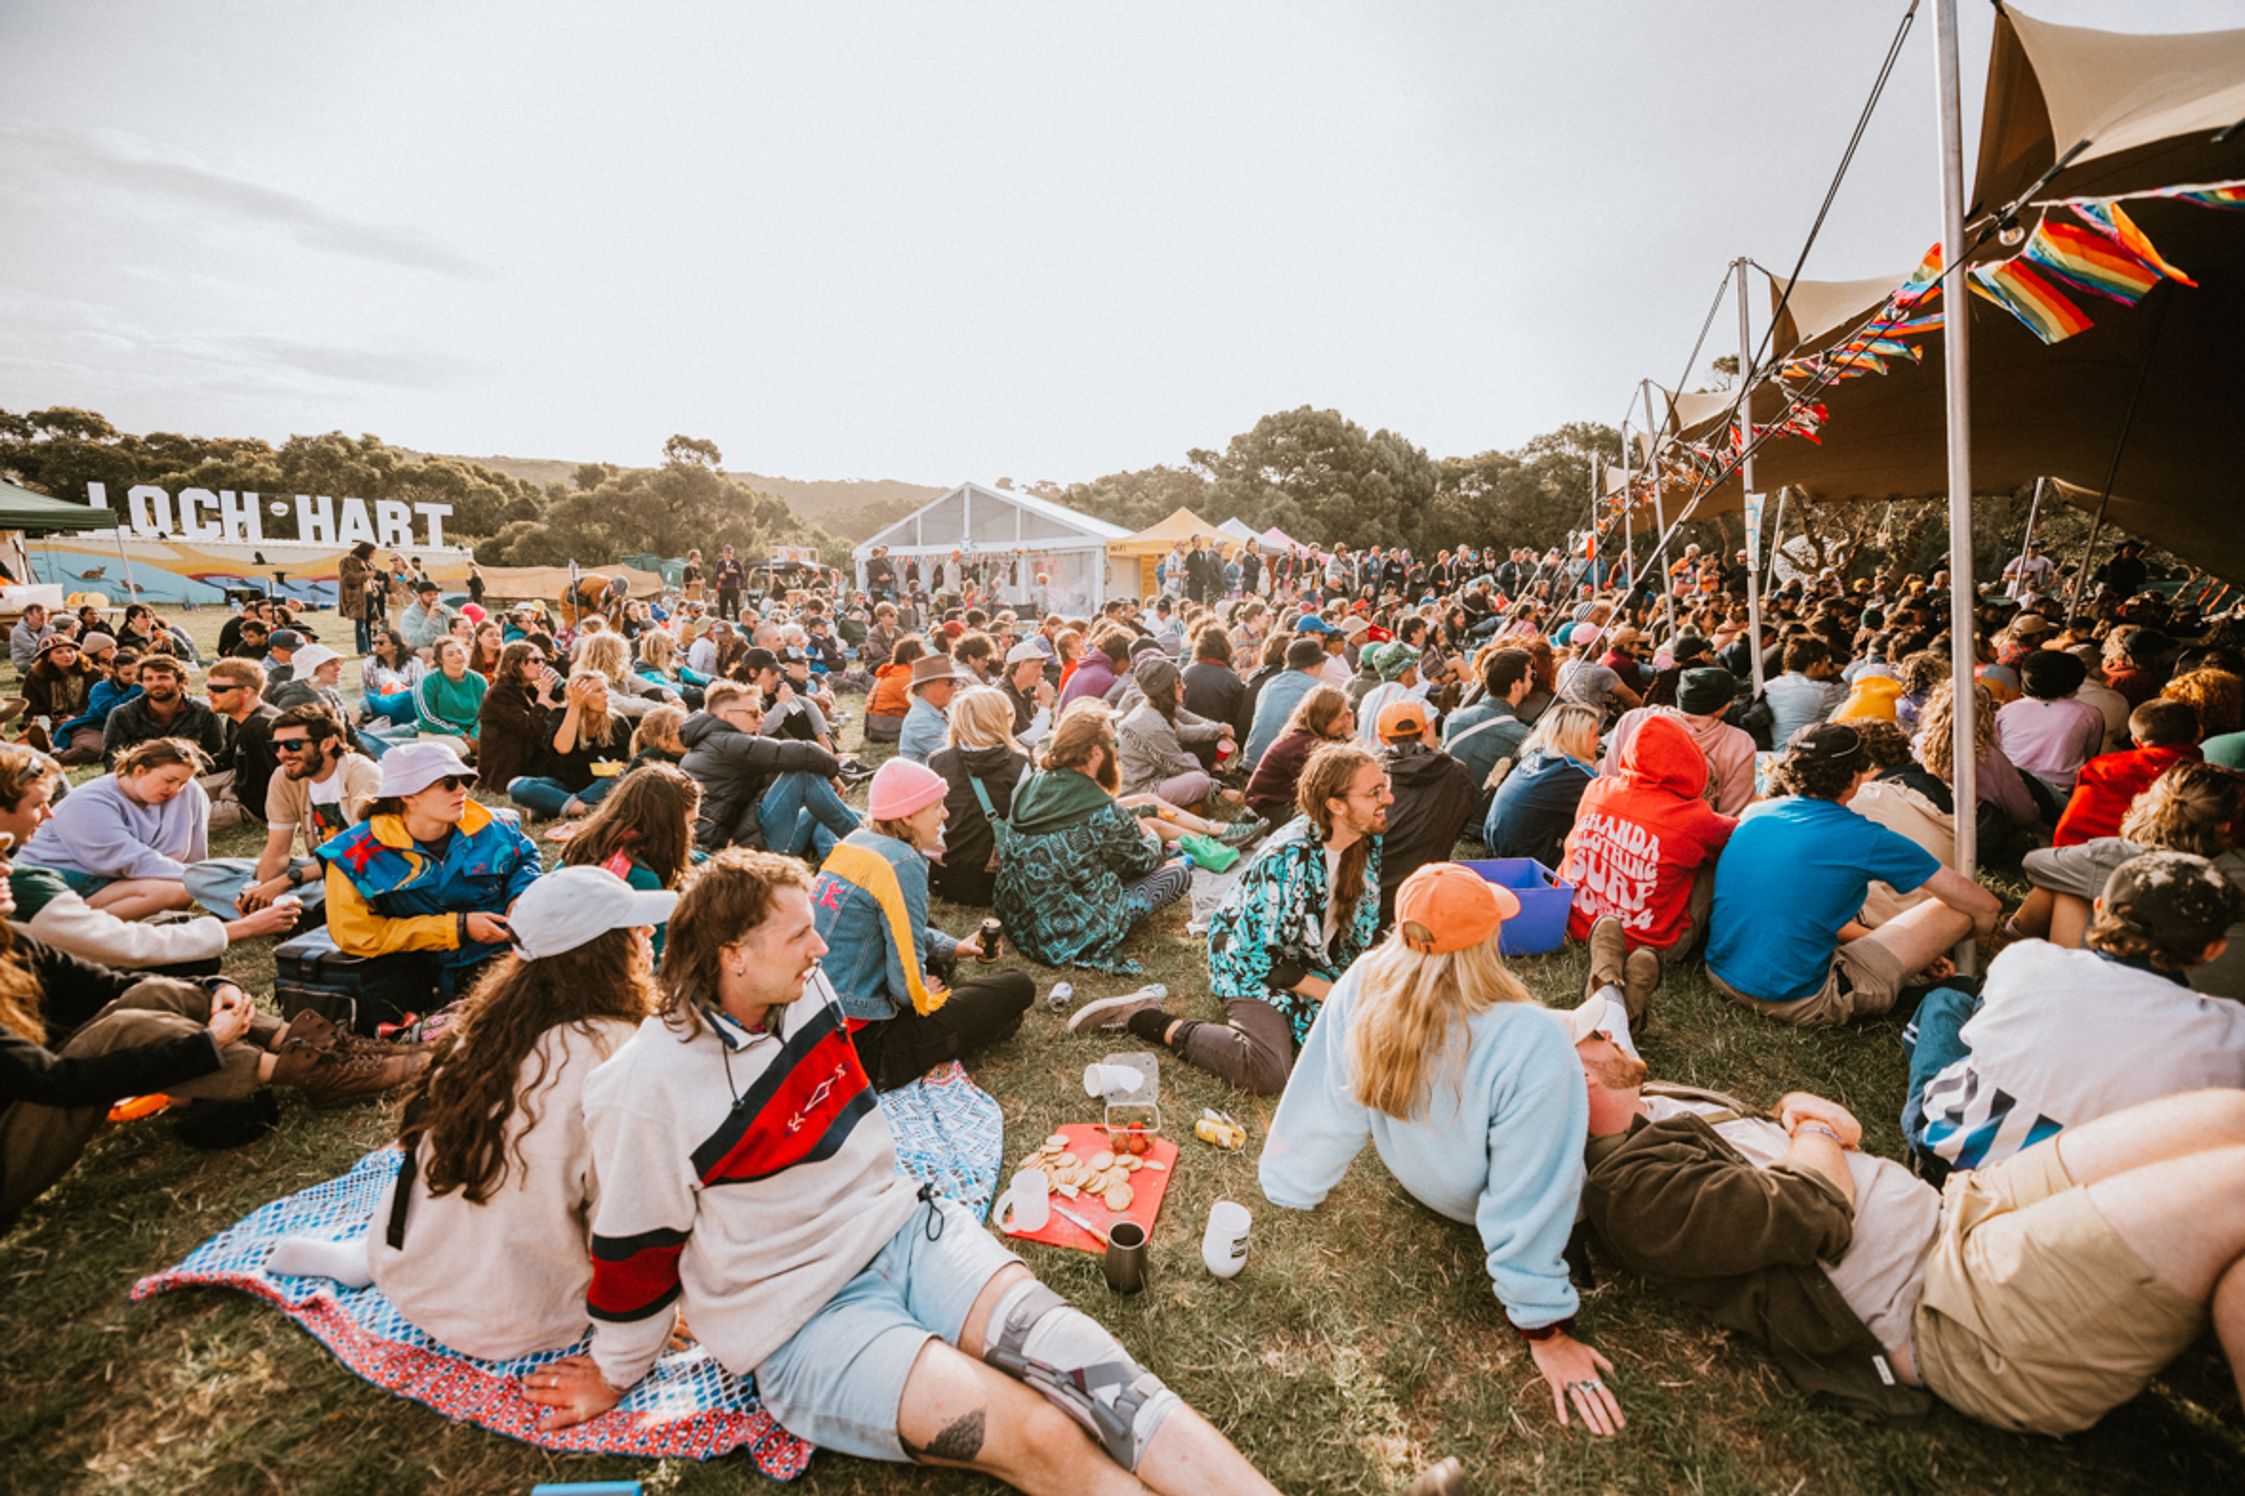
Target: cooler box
(309, 972)
(1544, 901)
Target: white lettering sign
(239, 518)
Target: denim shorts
(839, 1380)
(84, 885)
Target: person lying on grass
(1432, 1051)
(482, 1239)
(879, 1319)
(2035, 1296)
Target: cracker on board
(1118, 1197)
(1102, 1159)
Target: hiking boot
(1608, 947)
(1640, 978)
(1240, 833)
(324, 1033)
(1444, 1479)
(1107, 1014)
(333, 1077)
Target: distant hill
(851, 508)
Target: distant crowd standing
(1312, 736)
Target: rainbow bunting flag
(1851, 357)
(1922, 280)
(2231, 196)
(1927, 322)
(2022, 291)
(2110, 217)
(1885, 347)
(2090, 261)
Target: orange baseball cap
(1402, 720)
(1446, 906)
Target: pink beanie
(902, 789)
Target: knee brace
(1039, 1338)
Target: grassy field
(1361, 1341)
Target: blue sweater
(1499, 1146)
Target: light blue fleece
(1499, 1145)
(100, 829)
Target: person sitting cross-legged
(879, 1319)
(427, 878)
(2035, 1295)
(1306, 906)
(494, 1132)
(1435, 1054)
(757, 790)
(321, 790)
(1783, 936)
(883, 955)
(2059, 1037)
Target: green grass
(1361, 1341)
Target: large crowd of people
(731, 962)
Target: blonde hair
(658, 730)
(981, 717)
(656, 649)
(606, 653)
(1317, 711)
(1566, 727)
(2188, 808)
(602, 732)
(2218, 695)
(1406, 1034)
(1936, 741)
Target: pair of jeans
(217, 881)
(1933, 1040)
(550, 797)
(800, 812)
(362, 634)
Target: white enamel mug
(1223, 1246)
(1026, 1205)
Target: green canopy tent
(23, 512)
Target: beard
(1109, 777)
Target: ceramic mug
(1026, 1205)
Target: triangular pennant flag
(2090, 261)
(1921, 280)
(2114, 220)
(2022, 291)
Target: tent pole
(1746, 474)
(2112, 469)
(1628, 526)
(2034, 508)
(132, 591)
(1957, 368)
(1660, 508)
(1776, 539)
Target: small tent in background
(1239, 529)
(24, 513)
(1131, 560)
(1275, 539)
(1023, 533)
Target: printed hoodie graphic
(1641, 834)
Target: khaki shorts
(1863, 983)
(2037, 1317)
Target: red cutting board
(1148, 1186)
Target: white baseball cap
(573, 905)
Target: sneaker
(1240, 833)
(333, 1077)
(1208, 852)
(1107, 1014)
(1608, 948)
(1639, 981)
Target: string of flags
(2079, 247)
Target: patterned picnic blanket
(948, 1132)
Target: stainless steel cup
(1125, 1262)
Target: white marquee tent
(1068, 547)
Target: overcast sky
(928, 241)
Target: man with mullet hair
(749, 1177)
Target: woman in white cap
(483, 1240)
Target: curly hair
(1936, 741)
(2218, 696)
(726, 899)
(463, 1102)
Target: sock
(315, 1257)
(1149, 1024)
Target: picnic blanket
(948, 1132)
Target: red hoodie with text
(1640, 835)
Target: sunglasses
(291, 745)
(453, 782)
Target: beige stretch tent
(2146, 401)
(1131, 561)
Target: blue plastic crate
(1541, 925)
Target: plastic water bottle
(1062, 995)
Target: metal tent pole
(1660, 508)
(2034, 508)
(1957, 369)
(1746, 473)
(1776, 539)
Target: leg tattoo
(959, 1442)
